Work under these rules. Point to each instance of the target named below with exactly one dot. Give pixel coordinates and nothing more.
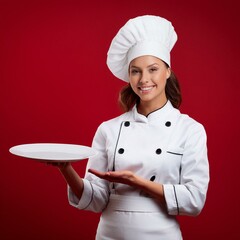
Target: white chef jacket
(166, 147)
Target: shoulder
(190, 125)
(114, 124)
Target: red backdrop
(55, 87)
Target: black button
(168, 124)
(158, 151)
(152, 178)
(127, 124)
(120, 150)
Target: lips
(146, 89)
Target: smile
(146, 89)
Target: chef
(152, 160)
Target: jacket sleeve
(188, 197)
(96, 191)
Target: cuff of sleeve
(171, 199)
(86, 198)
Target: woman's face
(148, 76)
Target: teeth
(146, 88)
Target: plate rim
(12, 151)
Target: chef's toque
(144, 35)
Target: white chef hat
(144, 35)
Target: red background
(55, 87)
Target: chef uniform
(166, 147)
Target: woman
(152, 160)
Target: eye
(134, 71)
(153, 69)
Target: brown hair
(128, 98)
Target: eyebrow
(151, 65)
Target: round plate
(58, 152)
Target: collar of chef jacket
(159, 114)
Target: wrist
(64, 166)
(139, 182)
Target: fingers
(60, 165)
(105, 174)
(98, 173)
(92, 171)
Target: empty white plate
(49, 152)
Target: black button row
(127, 124)
(158, 151)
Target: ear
(168, 72)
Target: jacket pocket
(175, 151)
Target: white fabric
(182, 166)
(144, 35)
(141, 218)
(134, 204)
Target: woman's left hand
(125, 177)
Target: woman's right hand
(60, 165)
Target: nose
(144, 78)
